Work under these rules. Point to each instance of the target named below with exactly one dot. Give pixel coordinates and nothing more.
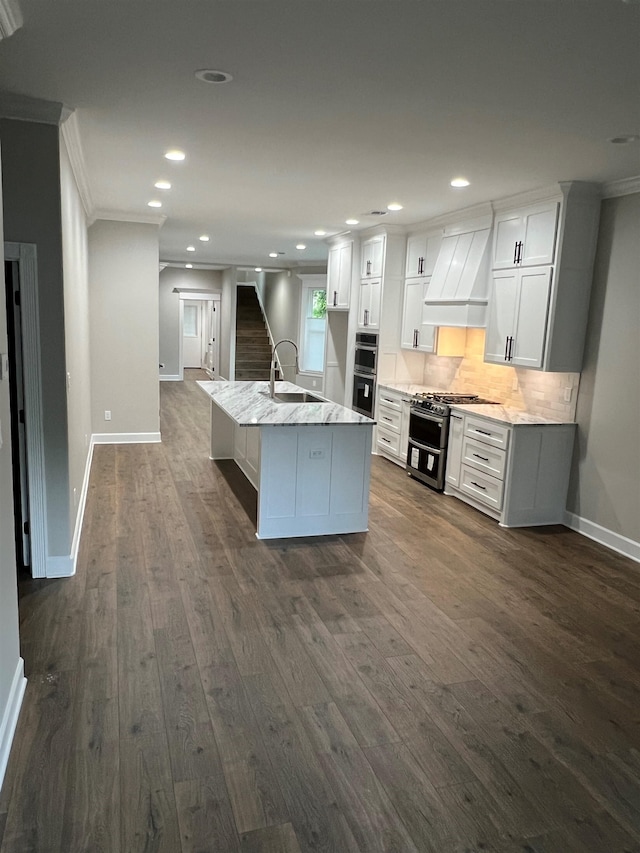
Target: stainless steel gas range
(429, 416)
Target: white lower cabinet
(392, 431)
(517, 473)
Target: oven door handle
(428, 447)
(436, 419)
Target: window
(313, 321)
(190, 321)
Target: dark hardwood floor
(437, 685)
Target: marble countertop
(249, 404)
(407, 388)
(506, 415)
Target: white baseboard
(10, 716)
(170, 377)
(125, 438)
(627, 547)
(75, 542)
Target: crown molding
(121, 216)
(10, 18)
(625, 186)
(71, 136)
(24, 108)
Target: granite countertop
(249, 404)
(506, 415)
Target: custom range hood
(458, 293)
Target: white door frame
(26, 256)
(197, 296)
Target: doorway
(200, 332)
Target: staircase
(253, 349)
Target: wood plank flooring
(437, 685)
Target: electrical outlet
(314, 382)
(568, 391)
(107, 415)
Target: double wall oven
(364, 374)
(429, 416)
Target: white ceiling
(337, 107)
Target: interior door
(192, 334)
(211, 340)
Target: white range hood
(458, 293)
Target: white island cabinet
(309, 462)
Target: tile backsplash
(531, 390)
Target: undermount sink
(296, 397)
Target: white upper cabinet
(518, 313)
(416, 334)
(339, 276)
(372, 257)
(543, 268)
(369, 304)
(525, 237)
(422, 253)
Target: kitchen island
(308, 461)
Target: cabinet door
(501, 316)
(416, 255)
(454, 450)
(532, 314)
(372, 255)
(369, 305)
(508, 233)
(339, 277)
(375, 298)
(412, 315)
(540, 226)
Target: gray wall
(228, 324)
(32, 214)
(76, 324)
(605, 482)
(169, 307)
(123, 288)
(9, 642)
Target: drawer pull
(386, 440)
(477, 455)
(385, 418)
(482, 431)
(473, 483)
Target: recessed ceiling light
(204, 238)
(191, 248)
(459, 182)
(210, 75)
(188, 266)
(273, 254)
(320, 233)
(394, 206)
(175, 154)
(351, 221)
(258, 269)
(301, 246)
(154, 203)
(625, 140)
(162, 185)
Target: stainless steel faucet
(272, 374)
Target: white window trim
(310, 281)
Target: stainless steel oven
(364, 374)
(426, 454)
(366, 355)
(429, 432)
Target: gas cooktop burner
(450, 399)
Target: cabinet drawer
(486, 489)
(487, 431)
(484, 457)
(389, 400)
(389, 418)
(388, 441)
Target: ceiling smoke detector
(210, 75)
